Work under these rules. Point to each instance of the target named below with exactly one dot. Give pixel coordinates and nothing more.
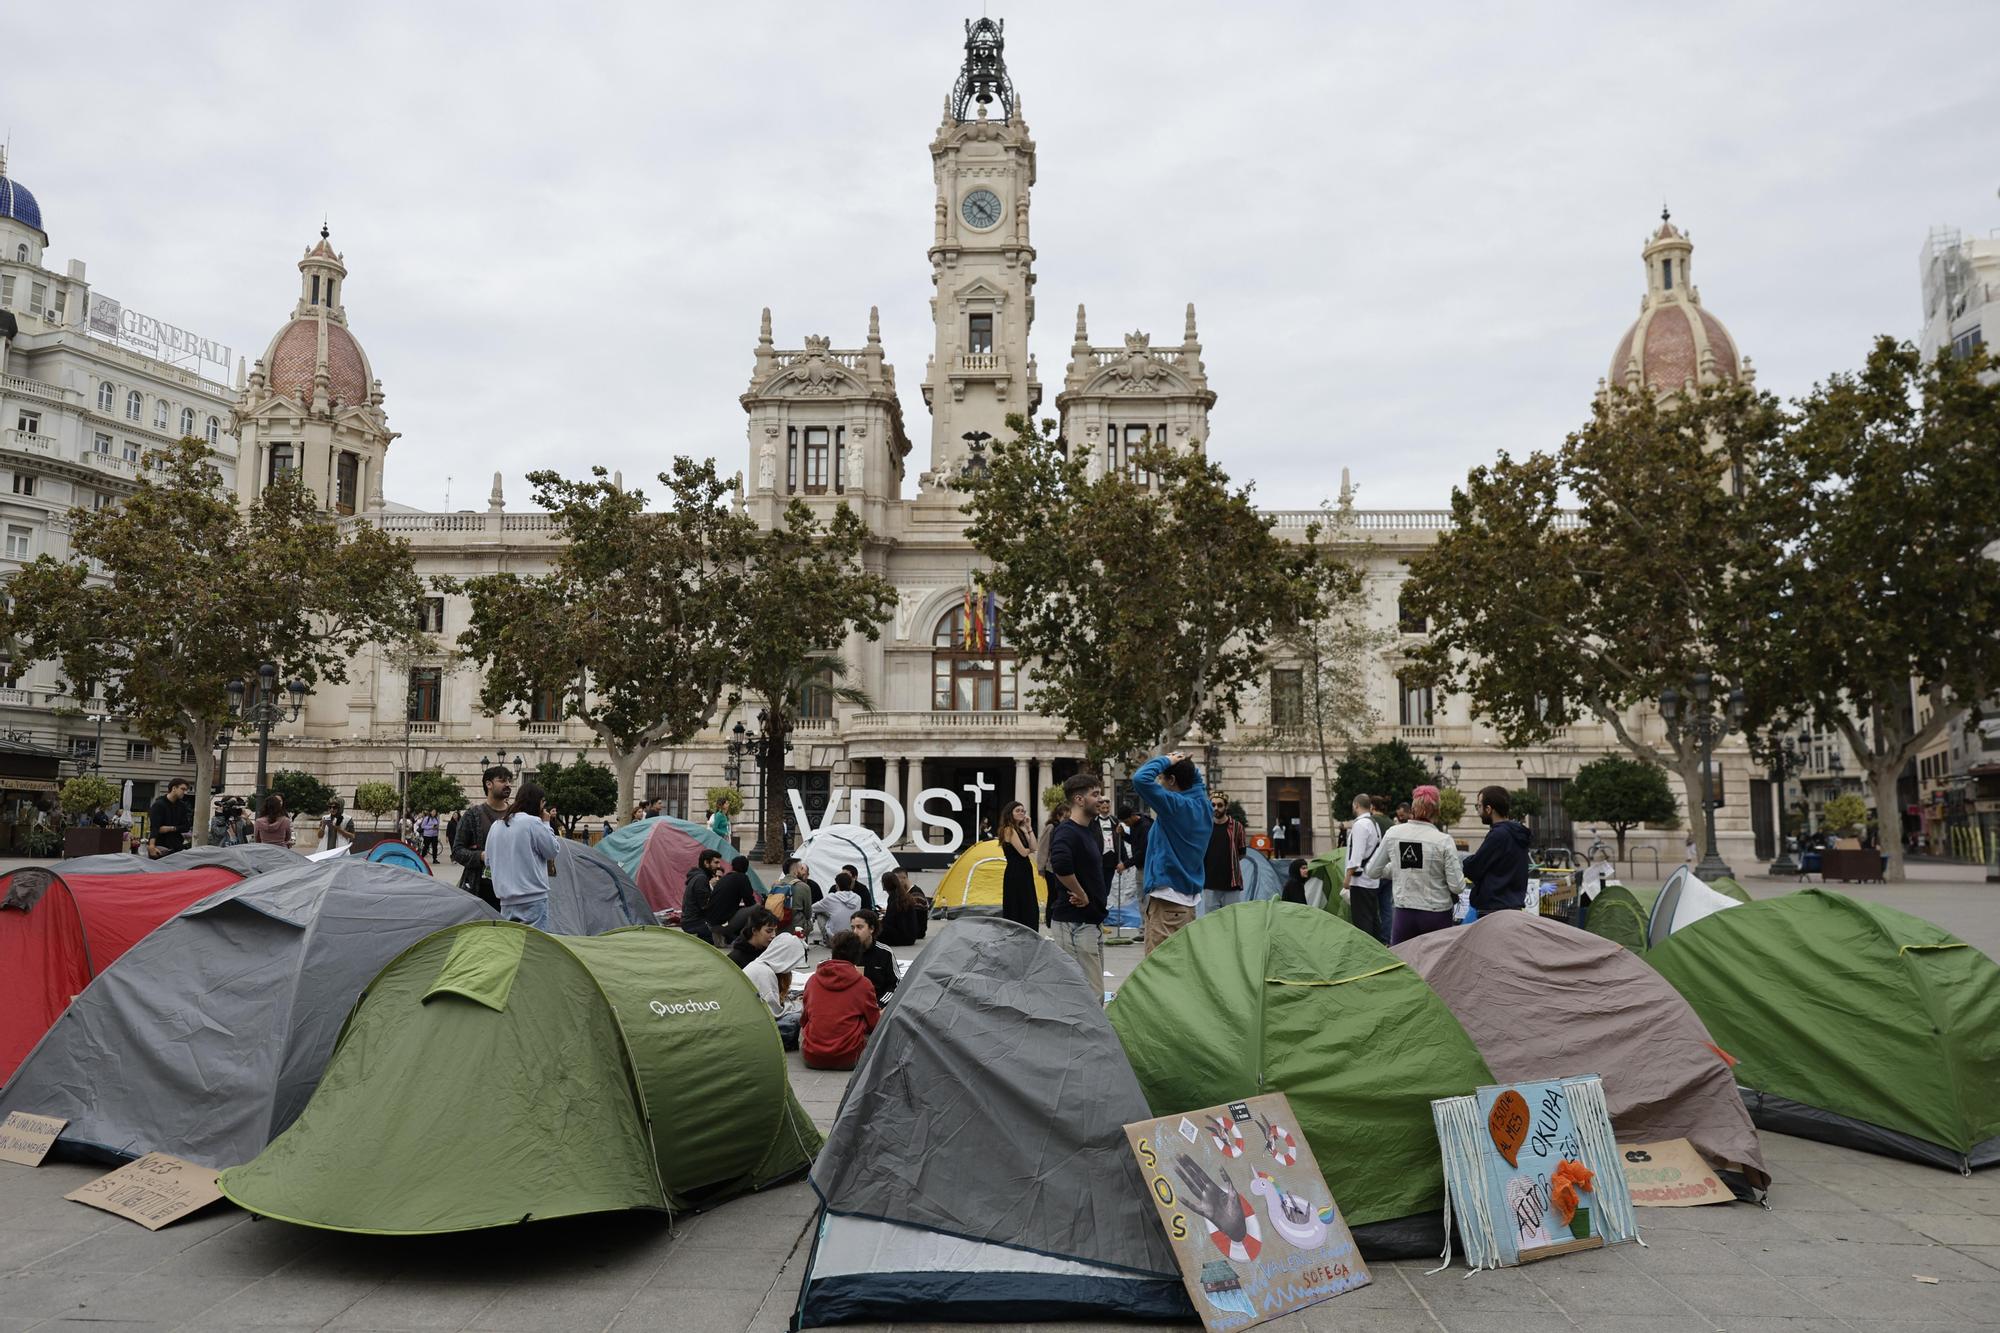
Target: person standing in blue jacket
(1177, 847)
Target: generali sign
(156, 338)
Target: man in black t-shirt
(732, 892)
(170, 819)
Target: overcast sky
(1412, 231)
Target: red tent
(58, 931)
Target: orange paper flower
(1570, 1178)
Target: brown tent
(1544, 1000)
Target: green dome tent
(492, 1074)
(1275, 997)
(1850, 1022)
(1328, 871)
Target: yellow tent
(973, 882)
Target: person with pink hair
(1427, 872)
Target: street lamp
(739, 745)
(1706, 727)
(1787, 754)
(264, 710)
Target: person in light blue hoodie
(1177, 848)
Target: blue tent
(397, 853)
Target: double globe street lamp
(1788, 755)
(1691, 714)
(261, 711)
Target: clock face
(981, 209)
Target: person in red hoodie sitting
(839, 1008)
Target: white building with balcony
(87, 391)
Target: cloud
(1412, 233)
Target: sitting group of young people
(841, 1001)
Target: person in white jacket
(1427, 872)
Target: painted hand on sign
(1508, 1124)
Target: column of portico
(1022, 793)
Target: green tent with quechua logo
(493, 1074)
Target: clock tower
(982, 265)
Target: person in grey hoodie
(1424, 861)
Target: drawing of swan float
(1292, 1216)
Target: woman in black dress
(1018, 899)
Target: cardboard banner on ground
(27, 1138)
(1532, 1171)
(1246, 1210)
(153, 1191)
(1670, 1174)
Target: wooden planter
(92, 841)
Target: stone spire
(1082, 332)
(496, 500)
(874, 324)
(1188, 335)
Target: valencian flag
(980, 619)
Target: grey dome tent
(978, 1169)
(245, 858)
(589, 893)
(208, 1036)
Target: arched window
(214, 431)
(160, 415)
(106, 395)
(21, 253)
(187, 421)
(972, 668)
(135, 404)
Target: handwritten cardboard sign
(153, 1191)
(1670, 1174)
(1532, 1171)
(27, 1138)
(1246, 1211)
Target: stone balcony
(29, 442)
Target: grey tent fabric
(207, 1038)
(590, 893)
(978, 1168)
(1544, 1000)
(249, 858)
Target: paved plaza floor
(1849, 1242)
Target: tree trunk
(1618, 832)
(774, 788)
(625, 763)
(201, 737)
(1888, 818)
(1687, 763)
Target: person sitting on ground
(838, 1009)
(837, 907)
(771, 972)
(798, 889)
(1177, 846)
(731, 894)
(877, 963)
(909, 911)
(760, 927)
(1424, 861)
(859, 884)
(1498, 871)
(695, 893)
(1295, 883)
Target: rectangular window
(346, 478)
(99, 500)
(426, 689)
(23, 484)
(38, 297)
(1111, 450)
(1963, 344)
(791, 460)
(1136, 440)
(1288, 697)
(816, 700)
(29, 422)
(1667, 270)
(840, 460)
(1415, 703)
(430, 615)
(20, 542)
(814, 480)
(102, 444)
(6, 292)
(139, 752)
(671, 790)
(281, 461)
(545, 707)
(979, 335)
(83, 747)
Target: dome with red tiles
(1675, 342)
(294, 355)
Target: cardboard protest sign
(1533, 1171)
(153, 1191)
(1670, 1174)
(1248, 1214)
(27, 1138)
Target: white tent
(832, 846)
(1683, 901)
